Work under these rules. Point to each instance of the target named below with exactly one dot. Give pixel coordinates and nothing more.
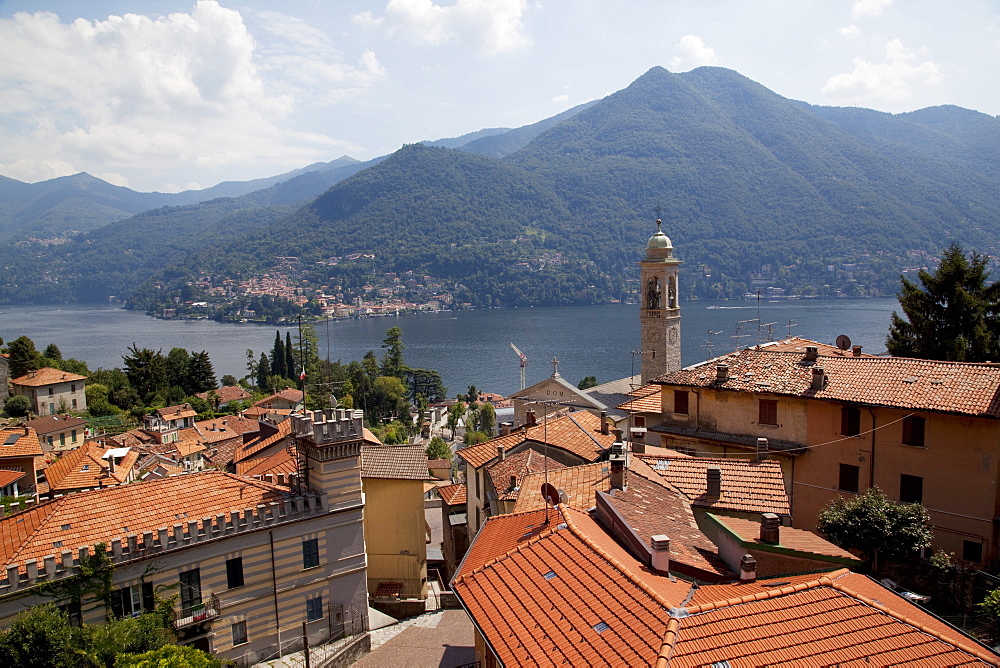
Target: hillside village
(670, 518)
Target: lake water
(465, 347)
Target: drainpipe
(871, 466)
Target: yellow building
(392, 477)
(839, 423)
(249, 560)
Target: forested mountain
(755, 191)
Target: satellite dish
(550, 494)
(563, 497)
(333, 401)
(843, 342)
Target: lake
(465, 347)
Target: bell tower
(659, 308)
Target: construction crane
(524, 362)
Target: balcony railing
(197, 614)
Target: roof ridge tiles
(624, 570)
(968, 649)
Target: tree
(40, 637)
(200, 375)
(278, 356)
(22, 357)
(177, 362)
(228, 380)
(875, 525)
(486, 419)
(455, 414)
(587, 383)
(392, 361)
(438, 449)
(472, 396)
(263, 368)
(172, 656)
(251, 366)
(953, 315)
(471, 438)
(52, 352)
(290, 368)
(17, 406)
(146, 370)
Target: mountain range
(755, 190)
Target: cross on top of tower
(555, 367)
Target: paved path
(443, 638)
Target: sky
(172, 95)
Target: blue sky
(169, 95)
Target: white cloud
(141, 95)
(559, 99)
(693, 52)
(895, 78)
(496, 26)
(851, 31)
(869, 7)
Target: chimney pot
(819, 378)
(761, 449)
(812, 353)
(530, 418)
(713, 478)
(722, 373)
(513, 482)
(501, 454)
(660, 545)
(617, 460)
(748, 568)
(856, 350)
(604, 422)
(770, 528)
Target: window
(913, 431)
(50, 391)
(133, 600)
(639, 421)
(62, 439)
(314, 608)
(850, 420)
(72, 388)
(310, 553)
(50, 440)
(911, 488)
(681, 402)
(848, 478)
(239, 633)
(768, 412)
(72, 436)
(74, 404)
(234, 572)
(972, 550)
(190, 590)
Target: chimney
(529, 418)
(637, 436)
(25, 430)
(111, 464)
(819, 378)
(604, 422)
(770, 528)
(501, 454)
(761, 449)
(748, 568)
(713, 477)
(812, 353)
(856, 350)
(722, 373)
(661, 553)
(513, 482)
(505, 429)
(617, 461)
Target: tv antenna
(791, 323)
(524, 362)
(739, 326)
(710, 342)
(770, 330)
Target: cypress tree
(264, 373)
(290, 365)
(278, 357)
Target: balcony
(200, 613)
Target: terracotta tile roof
(227, 393)
(219, 454)
(46, 376)
(130, 439)
(19, 442)
(55, 423)
(453, 495)
(747, 486)
(259, 412)
(178, 412)
(10, 475)
(708, 593)
(647, 401)
(247, 450)
(557, 596)
(290, 395)
(897, 382)
(792, 539)
(100, 515)
(579, 482)
(438, 463)
(798, 624)
(518, 465)
(397, 462)
(578, 433)
(189, 442)
(86, 467)
(797, 344)
(282, 461)
(221, 428)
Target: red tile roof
(100, 515)
(55, 423)
(9, 475)
(227, 393)
(178, 412)
(578, 433)
(46, 376)
(248, 450)
(797, 344)
(86, 467)
(792, 539)
(290, 395)
(578, 482)
(747, 485)
(23, 442)
(897, 382)
(283, 461)
(518, 465)
(453, 495)
(221, 428)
